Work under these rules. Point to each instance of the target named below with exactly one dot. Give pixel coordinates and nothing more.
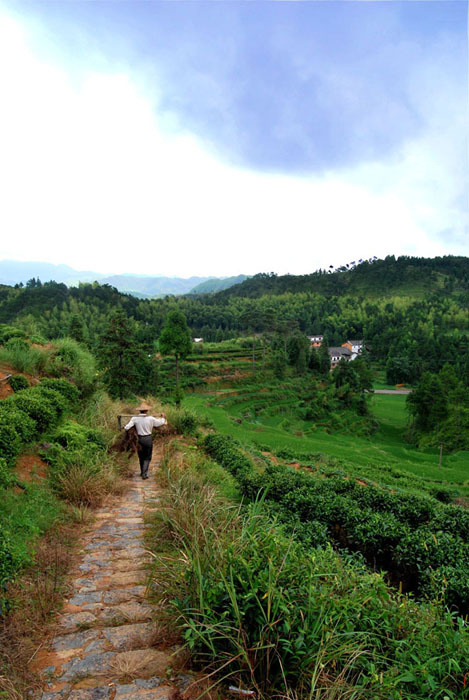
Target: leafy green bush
(225, 450)
(7, 566)
(70, 359)
(8, 332)
(185, 422)
(37, 406)
(23, 424)
(10, 442)
(408, 533)
(18, 382)
(7, 477)
(74, 435)
(66, 388)
(285, 621)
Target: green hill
(217, 284)
(403, 276)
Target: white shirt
(145, 424)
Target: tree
(279, 362)
(75, 330)
(297, 350)
(119, 356)
(324, 357)
(175, 339)
(428, 403)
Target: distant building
(198, 340)
(355, 347)
(315, 340)
(336, 355)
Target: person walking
(144, 424)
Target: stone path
(105, 643)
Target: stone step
(137, 689)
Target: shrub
(23, 424)
(72, 360)
(76, 436)
(54, 399)
(7, 565)
(18, 382)
(38, 407)
(286, 622)
(10, 442)
(66, 388)
(185, 422)
(7, 332)
(7, 478)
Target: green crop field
(381, 457)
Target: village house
(315, 340)
(355, 347)
(336, 354)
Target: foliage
(271, 616)
(439, 407)
(128, 368)
(22, 356)
(68, 390)
(183, 421)
(70, 360)
(384, 527)
(412, 312)
(18, 382)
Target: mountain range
(143, 286)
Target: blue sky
(234, 137)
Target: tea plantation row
(421, 543)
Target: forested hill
(403, 276)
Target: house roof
(355, 342)
(339, 351)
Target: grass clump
(264, 613)
(21, 355)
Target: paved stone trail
(104, 643)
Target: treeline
(387, 277)
(407, 335)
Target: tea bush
(406, 534)
(66, 388)
(286, 621)
(18, 382)
(37, 406)
(10, 442)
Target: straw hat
(144, 407)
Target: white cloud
(89, 177)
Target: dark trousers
(144, 452)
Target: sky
(218, 138)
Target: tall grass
(23, 357)
(260, 611)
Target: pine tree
(119, 356)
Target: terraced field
(383, 456)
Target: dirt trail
(104, 646)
